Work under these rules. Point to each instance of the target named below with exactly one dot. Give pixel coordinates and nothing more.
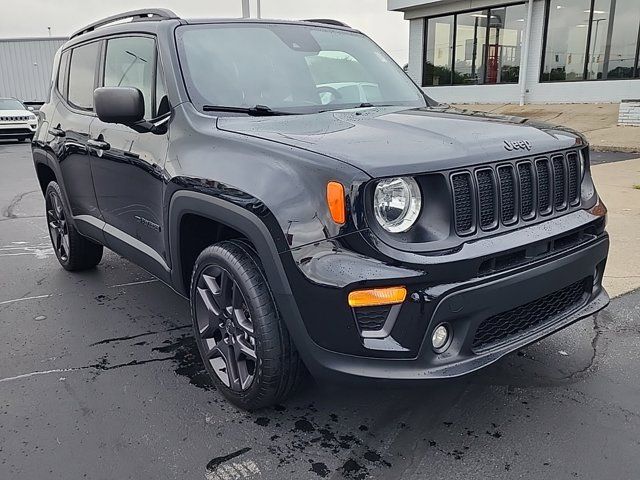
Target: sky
(31, 18)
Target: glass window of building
(439, 51)
(477, 47)
(469, 51)
(591, 40)
(622, 48)
(566, 45)
(506, 36)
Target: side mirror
(123, 105)
(31, 109)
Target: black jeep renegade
(316, 207)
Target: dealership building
(528, 51)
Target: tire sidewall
(54, 188)
(215, 257)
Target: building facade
(527, 51)
(25, 67)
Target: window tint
(82, 75)
(130, 63)
(62, 79)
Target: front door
(128, 167)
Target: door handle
(57, 132)
(98, 144)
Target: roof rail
(134, 15)
(327, 21)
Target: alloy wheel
(58, 226)
(224, 328)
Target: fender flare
(185, 202)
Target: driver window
(341, 78)
(130, 63)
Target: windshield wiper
(257, 111)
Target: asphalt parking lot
(100, 379)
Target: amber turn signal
(336, 202)
(377, 296)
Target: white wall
(612, 91)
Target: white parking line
(22, 299)
(134, 283)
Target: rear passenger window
(82, 75)
(130, 62)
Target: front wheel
(244, 345)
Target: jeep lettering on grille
(517, 145)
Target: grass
(637, 186)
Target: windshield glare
(10, 104)
(292, 68)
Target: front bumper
(331, 343)
(17, 129)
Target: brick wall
(629, 113)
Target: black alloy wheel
(58, 226)
(225, 330)
(244, 344)
(74, 251)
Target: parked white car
(16, 120)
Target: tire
(74, 252)
(235, 317)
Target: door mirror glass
(123, 105)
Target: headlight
(397, 203)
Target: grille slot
(547, 309)
(544, 186)
(487, 196)
(463, 201)
(527, 203)
(573, 174)
(507, 195)
(559, 183)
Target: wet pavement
(100, 379)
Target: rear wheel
(74, 252)
(245, 346)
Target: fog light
(440, 337)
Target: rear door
(69, 133)
(128, 171)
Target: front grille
(13, 118)
(506, 325)
(509, 193)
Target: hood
(389, 141)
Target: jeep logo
(517, 145)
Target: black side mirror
(123, 105)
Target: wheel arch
(232, 216)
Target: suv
(391, 239)
(16, 121)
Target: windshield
(10, 104)
(289, 68)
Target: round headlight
(396, 203)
